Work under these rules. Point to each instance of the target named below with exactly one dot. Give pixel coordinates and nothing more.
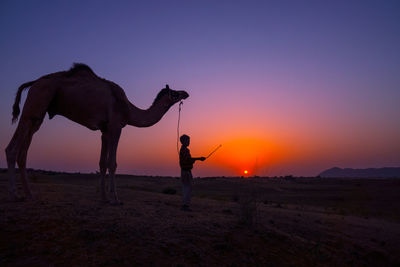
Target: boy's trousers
(187, 182)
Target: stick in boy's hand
(213, 151)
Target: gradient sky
(287, 87)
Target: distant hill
(362, 173)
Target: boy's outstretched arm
(199, 158)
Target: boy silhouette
(186, 162)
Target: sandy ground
(234, 222)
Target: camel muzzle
(184, 94)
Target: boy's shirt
(185, 159)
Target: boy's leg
(186, 177)
(184, 180)
(190, 186)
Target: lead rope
(177, 129)
(177, 133)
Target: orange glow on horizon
(254, 153)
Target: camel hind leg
(11, 155)
(22, 156)
(35, 108)
(17, 151)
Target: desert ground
(234, 222)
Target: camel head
(170, 96)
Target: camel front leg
(112, 164)
(103, 167)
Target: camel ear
(167, 87)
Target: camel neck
(146, 117)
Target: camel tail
(16, 110)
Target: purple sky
(292, 87)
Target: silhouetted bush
(33, 177)
(169, 191)
(248, 208)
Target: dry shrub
(248, 208)
(33, 177)
(169, 191)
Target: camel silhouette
(83, 97)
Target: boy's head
(185, 140)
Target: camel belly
(83, 106)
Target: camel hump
(79, 67)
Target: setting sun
(253, 152)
